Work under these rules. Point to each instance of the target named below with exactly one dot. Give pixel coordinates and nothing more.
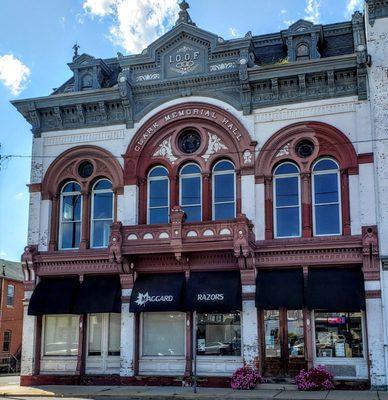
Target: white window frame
(72, 222)
(10, 285)
(157, 178)
(275, 178)
(92, 219)
(216, 173)
(328, 171)
(146, 357)
(194, 175)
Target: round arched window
(189, 141)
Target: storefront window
(272, 333)
(219, 334)
(295, 333)
(163, 334)
(114, 334)
(95, 331)
(61, 335)
(338, 334)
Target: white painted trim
(194, 175)
(157, 178)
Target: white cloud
(136, 23)
(283, 11)
(312, 12)
(352, 6)
(233, 32)
(19, 196)
(13, 73)
(3, 253)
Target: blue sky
(36, 39)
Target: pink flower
(317, 378)
(246, 378)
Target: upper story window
(326, 198)
(302, 52)
(190, 192)
(287, 207)
(70, 216)
(102, 213)
(224, 190)
(10, 295)
(158, 196)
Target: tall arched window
(326, 198)
(158, 196)
(287, 210)
(102, 213)
(70, 216)
(190, 192)
(224, 190)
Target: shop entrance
(283, 342)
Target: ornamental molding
(147, 77)
(84, 138)
(165, 151)
(223, 66)
(305, 112)
(214, 146)
(284, 151)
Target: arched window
(287, 210)
(326, 198)
(86, 82)
(158, 196)
(302, 52)
(70, 216)
(190, 192)
(102, 213)
(224, 191)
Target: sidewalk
(265, 392)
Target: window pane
(95, 330)
(190, 169)
(103, 205)
(338, 334)
(295, 333)
(272, 333)
(190, 191)
(114, 334)
(101, 232)
(219, 334)
(10, 295)
(72, 187)
(287, 191)
(158, 171)
(287, 222)
(158, 193)
(324, 165)
(326, 188)
(7, 341)
(223, 188)
(286, 169)
(159, 216)
(224, 211)
(224, 166)
(104, 184)
(164, 334)
(71, 208)
(61, 335)
(327, 219)
(193, 213)
(71, 234)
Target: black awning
(335, 289)
(54, 296)
(214, 292)
(99, 294)
(280, 288)
(158, 292)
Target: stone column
(28, 339)
(127, 340)
(250, 340)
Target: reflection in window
(158, 196)
(10, 295)
(102, 213)
(95, 333)
(287, 201)
(295, 333)
(219, 334)
(61, 335)
(224, 191)
(338, 334)
(326, 198)
(272, 333)
(190, 189)
(70, 216)
(114, 334)
(163, 334)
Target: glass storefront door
(283, 342)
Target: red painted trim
(38, 344)
(365, 158)
(373, 294)
(34, 187)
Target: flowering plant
(317, 378)
(246, 378)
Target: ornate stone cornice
(377, 9)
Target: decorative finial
(184, 16)
(75, 48)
